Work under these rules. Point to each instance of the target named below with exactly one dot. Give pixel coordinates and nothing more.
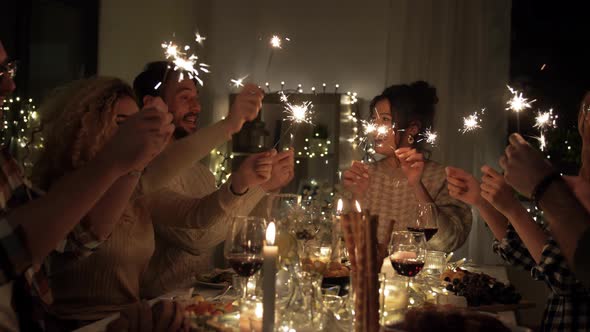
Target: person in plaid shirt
(32, 226)
(566, 204)
(522, 242)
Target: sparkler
(429, 136)
(199, 39)
(186, 64)
(472, 122)
(238, 82)
(542, 141)
(276, 42)
(518, 104)
(545, 120)
(296, 113)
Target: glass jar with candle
(434, 263)
(393, 299)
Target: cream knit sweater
(390, 197)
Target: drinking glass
(243, 247)
(426, 220)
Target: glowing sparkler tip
(429, 136)
(276, 41)
(472, 122)
(199, 39)
(518, 103)
(297, 113)
(545, 120)
(186, 64)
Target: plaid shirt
(15, 258)
(568, 305)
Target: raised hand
(463, 186)
(139, 138)
(255, 170)
(356, 179)
(283, 171)
(245, 107)
(412, 164)
(496, 191)
(524, 166)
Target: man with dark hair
(181, 253)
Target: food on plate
(329, 270)
(198, 306)
(447, 318)
(479, 288)
(217, 277)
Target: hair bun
(424, 93)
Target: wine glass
(284, 210)
(426, 220)
(243, 247)
(407, 252)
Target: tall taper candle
(270, 253)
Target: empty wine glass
(426, 220)
(243, 247)
(284, 210)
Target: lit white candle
(270, 253)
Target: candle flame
(270, 234)
(339, 206)
(358, 206)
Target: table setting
(304, 268)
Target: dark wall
(54, 41)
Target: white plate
(221, 285)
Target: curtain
(463, 48)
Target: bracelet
(237, 194)
(542, 186)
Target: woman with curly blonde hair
(117, 235)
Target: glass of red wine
(243, 247)
(407, 252)
(426, 220)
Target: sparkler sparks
(429, 136)
(238, 82)
(542, 141)
(518, 103)
(472, 122)
(545, 120)
(199, 39)
(184, 63)
(297, 113)
(277, 42)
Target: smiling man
(182, 253)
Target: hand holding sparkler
(283, 171)
(412, 164)
(524, 166)
(356, 179)
(255, 170)
(245, 107)
(464, 187)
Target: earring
(410, 139)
